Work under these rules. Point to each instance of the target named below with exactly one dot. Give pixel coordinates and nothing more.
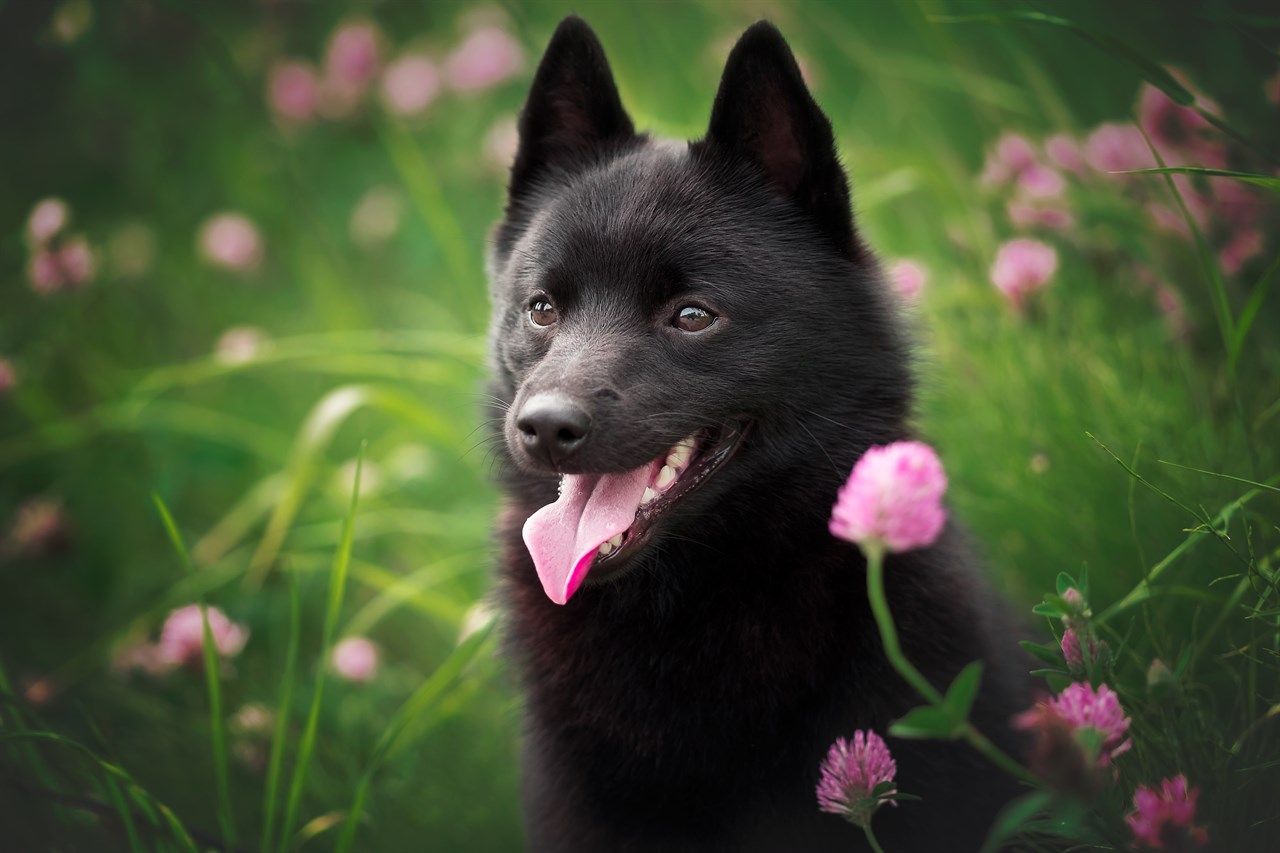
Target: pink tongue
(563, 536)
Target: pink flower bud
(1015, 152)
(1117, 147)
(486, 57)
(8, 376)
(1040, 182)
(240, 345)
(1071, 650)
(1022, 267)
(232, 241)
(40, 529)
(355, 659)
(410, 84)
(909, 278)
(47, 218)
(1244, 245)
(77, 261)
(182, 637)
(45, 272)
(1065, 153)
(893, 498)
(293, 90)
(352, 60)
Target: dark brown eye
(542, 313)
(691, 318)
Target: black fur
(687, 704)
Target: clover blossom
(1162, 818)
(893, 499)
(851, 774)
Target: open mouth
(600, 519)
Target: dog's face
(665, 312)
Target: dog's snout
(552, 427)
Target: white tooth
(666, 477)
(649, 494)
(680, 455)
(606, 548)
(616, 541)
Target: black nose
(552, 427)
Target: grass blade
(1148, 69)
(321, 425)
(1265, 181)
(414, 718)
(1250, 313)
(217, 730)
(213, 686)
(1254, 483)
(126, 814)
(1212, 270)
(278, 739)
(337, 588)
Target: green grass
(371, 390)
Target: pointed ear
(573, 114)
(764, 115)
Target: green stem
(893, 651)
(888, 632)
(871, 838)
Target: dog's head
(665, 312)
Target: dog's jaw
(605, 520)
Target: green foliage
(154, 119)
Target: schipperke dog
(691, 347)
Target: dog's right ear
(573, 113)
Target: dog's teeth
(649, 494)
(616, 541)
(606, 548)
(666, 477)
(680, 455)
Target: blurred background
(240, 241)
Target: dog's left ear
(765, 115)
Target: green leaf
(1044, 608)
(1065, 582)
(883, 788)
(1012, 818)
(962, 692)
(926, 722)
(1149, 70)
(1265, 181)
(1048, 653)
(900, 796)
(1045, 673)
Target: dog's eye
(691, 318)
(542, 313)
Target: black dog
(693, 347)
